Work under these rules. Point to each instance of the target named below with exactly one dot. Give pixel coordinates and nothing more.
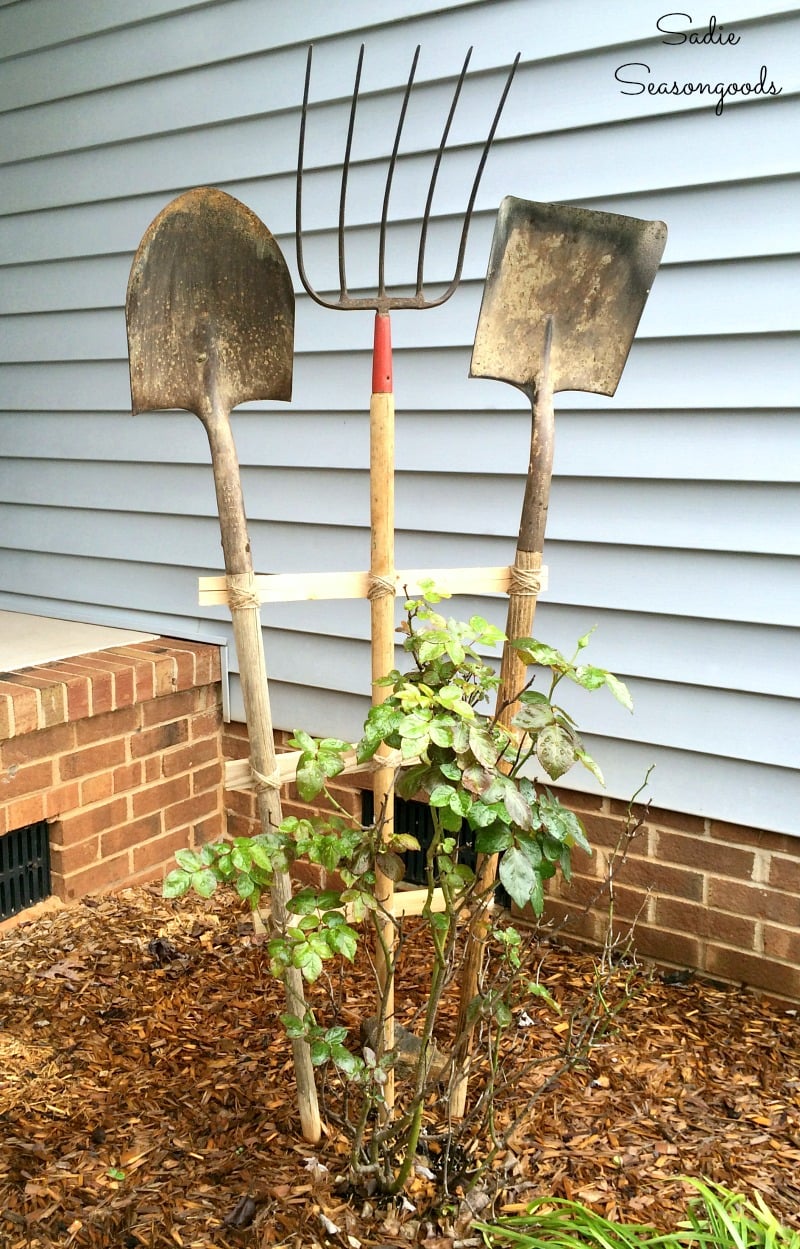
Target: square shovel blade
(586, 273)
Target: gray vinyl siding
(674, 521)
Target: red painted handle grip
(382, 382)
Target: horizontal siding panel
(683, 304)
(698, 517)
(762, 371)
(668, 151)
(755, 795)
(221, 31)
(671, 446)
(635, 579)
(549, 94)
(759, 218)
(23, 25)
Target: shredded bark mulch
(147, 1096)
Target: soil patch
(147, 1097)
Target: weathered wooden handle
(246, 617)
(519, 623)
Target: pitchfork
(382, 585)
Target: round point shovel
(210, 313)
(565, 291)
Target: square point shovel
(210, 315)
(565, 290)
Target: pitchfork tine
(390, 177)
(423, 234)
(345, 171)
(474, 192)
(299, 187)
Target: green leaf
(555, 750)
(533, 652)
(344, 941)
(334, 743)
(538, 990)
(461, 804)
(245, 885)
(366, 748)
(241, 855)
(177, 883)
(517, 807)
(349, 1063)
(303, 902)
(589, 763)
(294, 1026)
(331, 764)
(502, 1014)
(493, 840)
(441, 733)
(483, 745)
(303, 741)
(308, 961)
(449, 819)
(530, 848)
(620, 690)
(310, 777)
(320, 1052)
(204, 882)
(534, 715)
(188, 860)
(261, 856)
(589, 678)
(517, 876)
(114, 1173)
(537, 895)
(440, 795)
(482, 816)
(415, 725)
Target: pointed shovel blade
(210, 308)
(588, 273)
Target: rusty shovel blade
(210, 309)
(584, 274)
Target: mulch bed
(147, 1097)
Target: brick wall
(718, 898)
(120, 751)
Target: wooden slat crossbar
(322, 586)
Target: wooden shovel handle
(246, 617)
(519, 623)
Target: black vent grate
(24, 868)
(415, 818)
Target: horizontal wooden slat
(310, 586)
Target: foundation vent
(24, 868)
